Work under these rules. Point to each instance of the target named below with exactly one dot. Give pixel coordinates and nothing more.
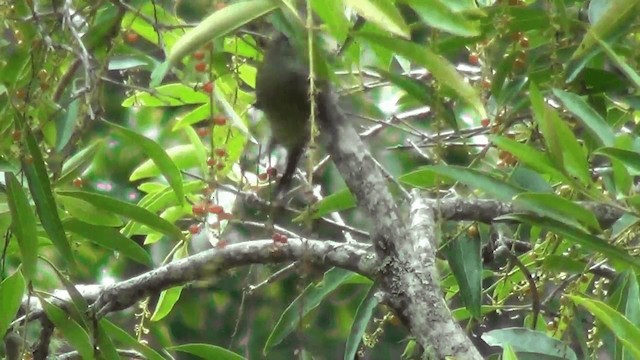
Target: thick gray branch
(322, 253)
(407, 273)
(486, 210)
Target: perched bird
(282, 93)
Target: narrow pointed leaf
(382, 13)
(159, 157)
(310, 298)
(23, 223)
(207, 351)
(476, 179)
(360, 321)
(109, 238)
(127, 210)
(11, 290)
(627, 333)
(589, 117)
(441, 68)
(40, 187)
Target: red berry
(276, 237)
(220, 152)
(486, 84)
(225, 216)
(198, 209)
(202, 131)
(201, 67)
(263, 176)
(131, 37)
(194, 229)
(272, 172)
(216, 209)
(283, 239)
(198, 55)
(78, 182)
(474, 59)
(220, 166)
(211, 161)
(208, 87)
(516, 36)
(485, 122)
(222, 244)
(16, 135)
(219, 120)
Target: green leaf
(11, 291)
(88, 213)
(627, 333)
(559, 208)
(590, 118)
(612, 20)
(411, 86)
(127, 210)
(621, 178)
(74, 167)
(159, 157)
(559, 263)
(72, 331)
(310, 298)
(565, 150)
(577, 236)
(109, 238)
(207, 351)
(123, 337)
(532, 342)
(630, 159)
(631, 74)
(80, 305)
(463, 255)
(508, 353)
(477, 179)
(24, 226)
(332, 14)
(529, 156)
(167, 95)
(383, 13)
(198, 114)
(573, 156)
(184, 156)
(338, 201)
(439, 15)
(107, 349)
(220, 23)
(40, 187)
(360, 321)
(168, 298)
(440, 68)
(624, 298)
(544, 120)
(424, 178)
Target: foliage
(128, 140)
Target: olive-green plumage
(282, 93)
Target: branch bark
(407, 273)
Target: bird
(282, 93)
